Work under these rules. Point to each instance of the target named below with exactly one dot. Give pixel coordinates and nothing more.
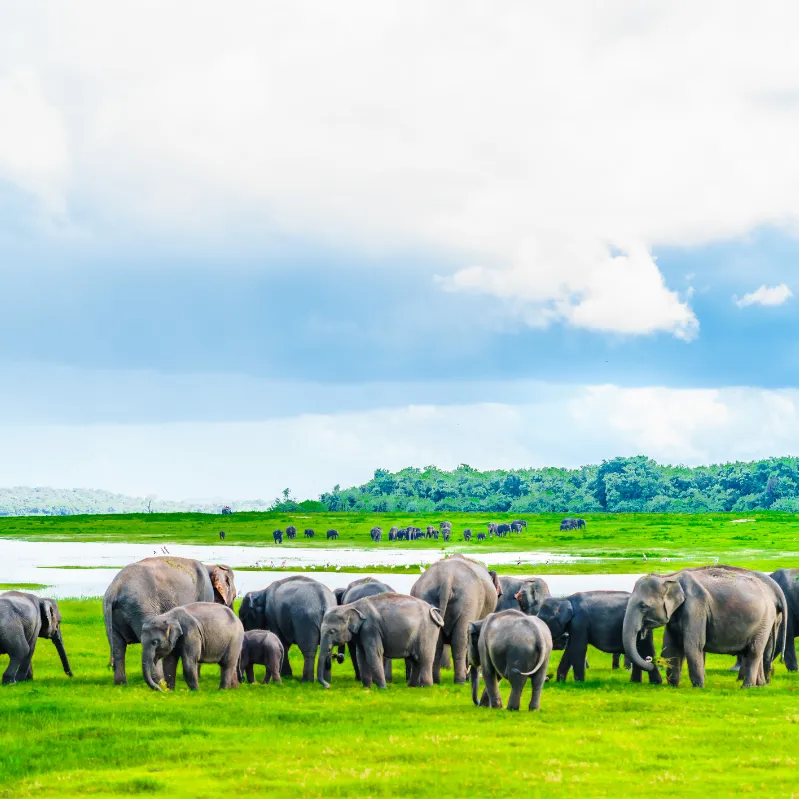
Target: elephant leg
(789, 658)
(517, 683)
(190, 672)
(363, 666)
(373, 651)
(538, 679)
(491, 680)
(388, 671)
(228, 677)
(354, 659)
(459, 646)
(564, 665)
(616, 661)
(285, 664)
(170, 670)
(695, 655)
(576, 650)
(646, 649)
(446, 659)
(309, 660)
(437, 661)
(120, 646)
(249, 671)
(737, 665)
(673, 653)
(20, 656)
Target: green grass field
(613, 543)
(85, 737)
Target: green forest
(620, 485)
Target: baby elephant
(201, 632)
(388, 626)
(263, 648)
(513, 645)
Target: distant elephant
(200, 632)
(151, 587)
(384, 626)
(518, 523)
(291, 532)
(465, 591)
(376, 533)
(356, 590)
(481, 536)
(492, 528)
(442, 525)
(467, 534)
(293, 609)
(788, 581)
(24, 618)
(277, 535)
(309, 533)
(262, 648)
(332, 534)
(392, 533)
(522, 593)
(502, 529)
(221, 535)
(718, 609)
(446, 533)
(513, 645)
(592, 618)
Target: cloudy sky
(280, 245)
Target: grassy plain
(85, 737)
(610, 543)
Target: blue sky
(225, 270)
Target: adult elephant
(719, 609)
(293, 609)
(525, 593)
(24, 618)
(153, 586)
(464, 591)
(788, 581)
(594, 618)
(356, 590)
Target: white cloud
(531, 145)
(311, 453)
(765, 295)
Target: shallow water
(27, 562)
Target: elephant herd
(503, 626)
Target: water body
(28, 562)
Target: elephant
(502, 529)
(200, 632)
(465, 591)
(513, 645)
(720, 609)
(392, 533)
(358, 589)
(309, 533)
(376, 533)
(467, 534)
(492, 528)
(264, 649)
(572, 524)
(788, 581)
(24, 618)
(442, 525)
(595, 618)
(151, 587)
(291, 532)
(221, 535)
(522, 593)
(277, 535)
(384, 627)
(332, 534)
(446, 533)
(293, 609)
(519, 523)
(481, 536)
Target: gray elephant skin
(594, 618)
(522, 593)
(384, 626)
(293, 609)
(464, 591)
(788, 581)
(24, 618)
(356, 590)
(513, 645)
(719, 609)
(153, 586)
(261, 648)
(200, 632)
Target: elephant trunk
(325, 648)
(474, 673)
(633, 622)
(58, 642)
(147, 670)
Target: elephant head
(222, 581)
(159, 636)
(556, 614)
(339, 627)
(252, 612)
(652, 603)
(474, 657)
(339, 594)
(530, 596)
(51, 628)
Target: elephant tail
(108, 616)
(783, 632)
(444, 593)
(538, 665)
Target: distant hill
(27, 501)
(621, 485)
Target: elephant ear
(356, 620)
(674, 596)
(49, 617)
(495, 580)
(339, 594)
(173, 633)
(222, 583)
(565, 612)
